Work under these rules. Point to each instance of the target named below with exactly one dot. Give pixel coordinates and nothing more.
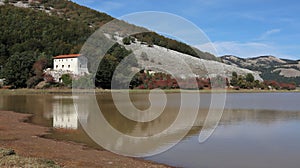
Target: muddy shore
(26, 140)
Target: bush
(126, 41)
(249, 77)
(67, 80)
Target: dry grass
(8, 158)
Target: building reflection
(64, 113)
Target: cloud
(107, 6)
(250, 49)
(250, 16)
(268, 33)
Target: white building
(72, 63)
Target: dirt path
(24, 139)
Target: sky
(245, 28)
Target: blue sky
(246, 28)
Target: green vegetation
(248, 82)
(108, 65)
(268, 74)
(18, 67)
(67, 80)
(29, 35)
(25, 40)
(69, 10)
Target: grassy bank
(8, 158)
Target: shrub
(126, 41)
(66, 79)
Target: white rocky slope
(35, 4)
(161, 59)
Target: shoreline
(100, 91)
(27, 141)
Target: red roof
(67, 56)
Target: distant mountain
(269, 67)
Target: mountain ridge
(270, 67)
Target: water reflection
(256, 130)
(115, 132)
(64, 114)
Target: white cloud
(268, 33)
(107, 6)
(250, 49)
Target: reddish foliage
(287, 86)
(161, 80)
(48, 78)
(277, 85)
(39, 66)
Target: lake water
(256, 129)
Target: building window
(71, 59)
(62, 66)
(79, 65)
(56, 66)
(68, 66)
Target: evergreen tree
(18, 68)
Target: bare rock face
(161, 59)
(287, 72)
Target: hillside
(42, 29)
(270, 67)
(69, 11)
(158, 58)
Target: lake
(256, 129)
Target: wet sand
(26, 139)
